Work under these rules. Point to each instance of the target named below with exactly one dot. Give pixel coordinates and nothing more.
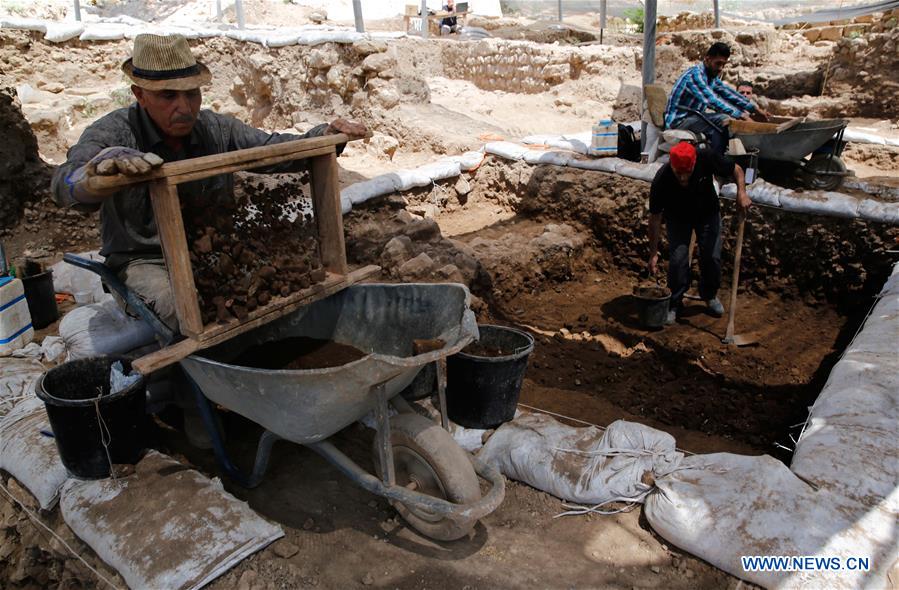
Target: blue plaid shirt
(694, 90)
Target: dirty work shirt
(127, 224)
(698, 199)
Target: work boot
(715, 308)
(671, 318)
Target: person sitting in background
(449, 24)
(699, 89)
(744, 87)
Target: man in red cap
(684, 195)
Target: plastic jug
(605, 138)
(16, 330)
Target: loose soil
(298, 353)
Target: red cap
(683, 157)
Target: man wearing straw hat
(164, 124)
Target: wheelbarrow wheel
(427, 459)
(815, 172)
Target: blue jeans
(708, 239)
(695, 123)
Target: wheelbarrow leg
(263, 449)
(385, 448)
(441, 392)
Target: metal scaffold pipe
(77, 10)
(649, 53)
(357, 14)
(560, 10)
(717, 14)
(424, 19)
(238, 8)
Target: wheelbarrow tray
(793, 144)
(307, 406)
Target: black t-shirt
(698, 198)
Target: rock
(426, 210)
(368, 579)
(320, 59)
(417, 268)
(422, 230)
(285, 549)
(369, 46)
(383, 93)
(831, 33)
(378, 62)
(462, 186)
(405, 217)
(318, 17)
(655, 569)
(382, 146)
(309, 524)
(396, 252)
(54, 87)
(450, 274)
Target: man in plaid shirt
(699, 89)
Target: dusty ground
(553, 252)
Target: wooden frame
(164, 181)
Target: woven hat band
(193, 70)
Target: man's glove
(121, 160)
(109, 162)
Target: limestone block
(418, 267)
(812, 35)
(851, 30)
(378, 62)
(337, 77)
(369, 46)
(322, 58)
(831, 33)
(396, 252)
(382, 146)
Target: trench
(806, 285)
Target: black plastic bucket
(482, 391)
(652, 306)
(70, 393)
(41, 299)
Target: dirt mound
(24, 178)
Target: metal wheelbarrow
(421, 470)
(811, 148)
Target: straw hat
(164, 62)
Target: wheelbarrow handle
(111, 280)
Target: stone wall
(512, 66)
(23, 175)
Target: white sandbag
(441, 169)
(95, 32)
(23, 24)
(28, 451)
(644, 172)
(600, 164)
(275, 39)
(575, 142)
(165, 526)
(760, 192)
(369, 189)
(722, 507)
(583, 465)
(319, 37)
(17, 376)
(61, 32)
(404, 180)
(860, 136)
(820, 203)
(102, 329)
(82, 284)
(536, 157)
(506, 149)
(881, 211)
(469, 160)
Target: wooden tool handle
(736, 280)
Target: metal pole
(78, 10)
(603, 9)
(424, 19)
(218, 10)
(649, 55)
(357, 13)
(238, 8)
(717, 14)
(560, 10)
